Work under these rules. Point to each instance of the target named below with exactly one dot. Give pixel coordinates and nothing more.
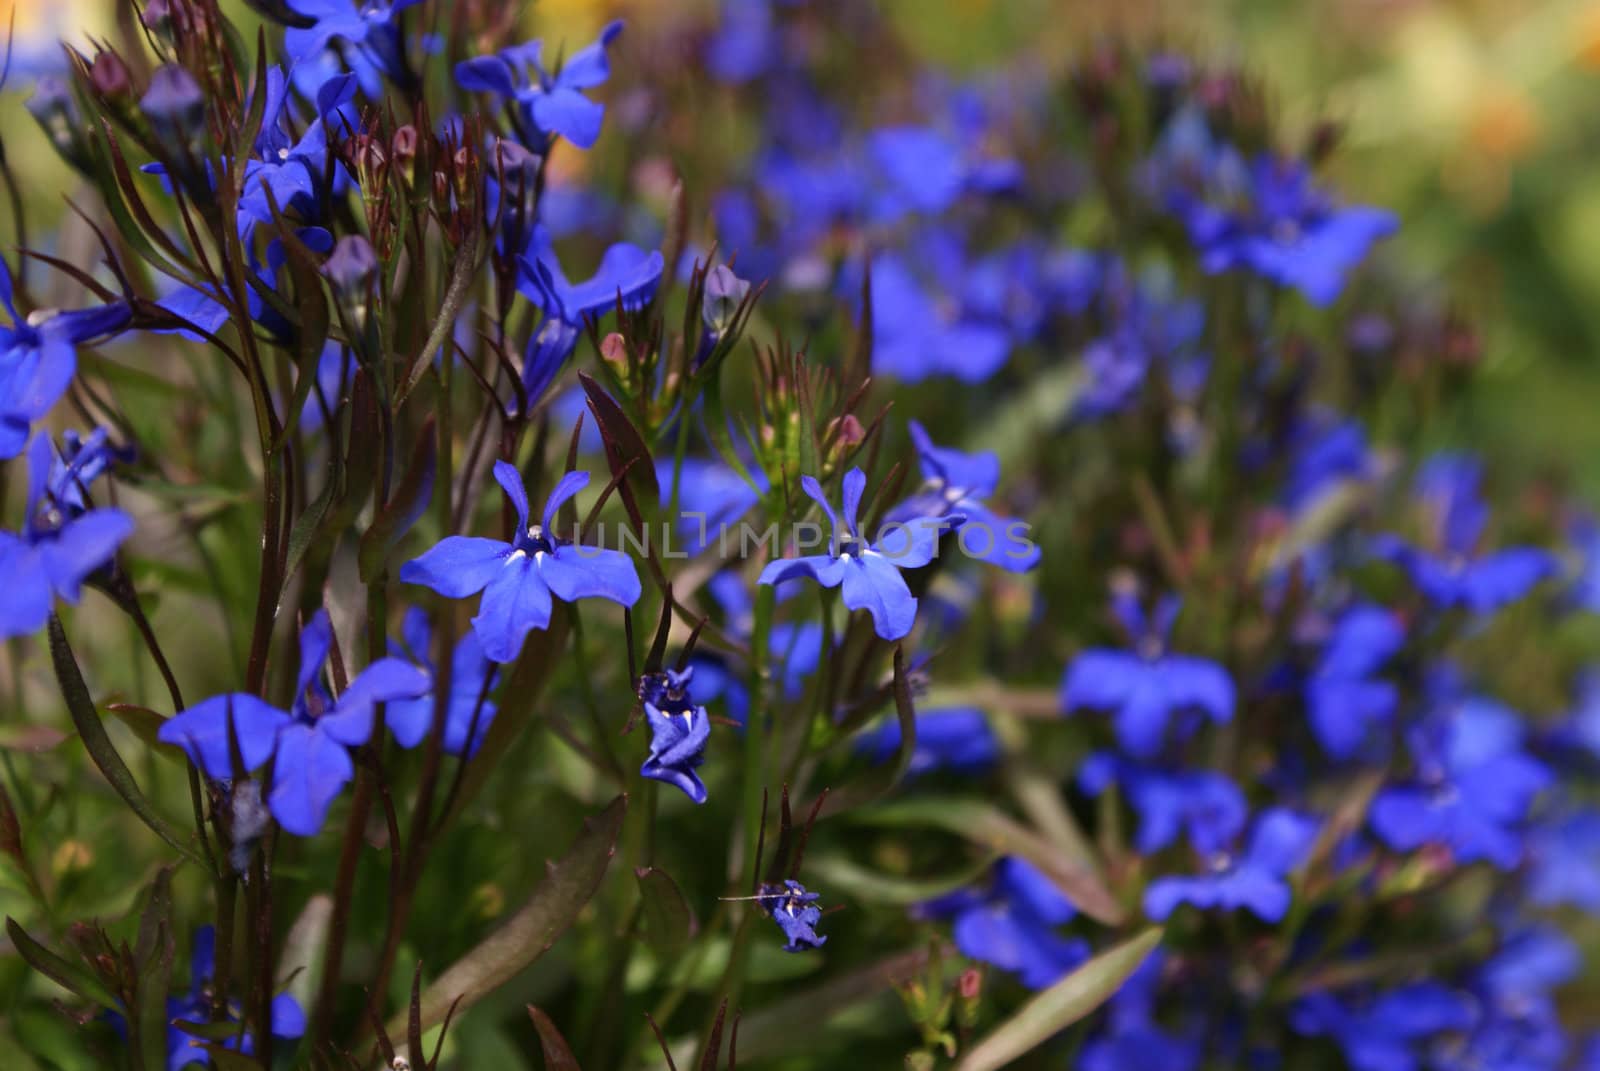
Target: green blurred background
(1477, 120)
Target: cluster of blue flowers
(1230, 626)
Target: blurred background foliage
(1475, 120)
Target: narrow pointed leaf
(557, 1054)
(67, 975)
(1063, 1004)
(669, 921)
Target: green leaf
(669, 921)
(408, 502)
(996, 831)
(845, 877)
(625, 448)
(557, 1055)
(69, 976)
(146, 723)
(307, 525)
(529, 933)
(1063, 1004)
(154, 954)
(98, 743)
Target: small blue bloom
(626, 273)
(958, 739)
(712, 498)
(1202, 804)
(469, 708)
(1328, 452)
(679, 729)
(1455, 573)
(1564, 861)
(1343, 700)
(869, 573)
(745, 44)
(38, 359)
(1257, 881)
(1012, 924)
(957, 483)
(518, 578)
(369, 27)
(915, 336)
(310, 741)
(295, 173)
(1473, 786)
(1146, 686)
(1390, 1033)
(795, 911)
(60, 545)
(547, 105)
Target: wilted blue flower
(1455, 573)
(1390, 1033)
(1202, 804)
(309, 742)
(869, 573)
(38, 359)
(679, 729)
(1473, 786)
(518, 578)
(60, 545)
(795, 911)
(468, 709)
(1255, 881)
(957, 483)
(1343, 699)
(547, 105)
(1011, 923)
(1146, 686)
(958, 739)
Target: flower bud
(175, 105)
(725, 292)
(54, 109)
(351, 268)
(109, 75)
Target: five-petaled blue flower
(795, 911)
(1343, 699)
(1146, 686)
(1011, 922)
(679, 729)
(469, 708)
(310, 741)
(1390, 1032)
(547, 104)
(958, 483)
(518, 578)
(368, 26)
(1203, 804)
(1256, 881)
(869, 573)
(60, 545)
(1455, 573)
(38, 359)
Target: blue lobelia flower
(1454, 573)
(795, 911)
(1149, 327)
(1202, 804)
(679, 729)
(295, 171)
(1146, 686)
(1391, 1032)
(370, 27)
(958, 483)
(711, 499)
(915, 336)
(1564, 861)
(310, 741)
(1256, 881)
(547, 105)
(206, 315)
(745, 44)
(38, 359)
(1012, 923)
(518, 578)
(1343, 700)
(1473, 787)
(958, 739)
(60, 545)
(469, 708)
(1132, 1038)
(186, 1050)
(1327, 452)
(869, 573)
(626, 273)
